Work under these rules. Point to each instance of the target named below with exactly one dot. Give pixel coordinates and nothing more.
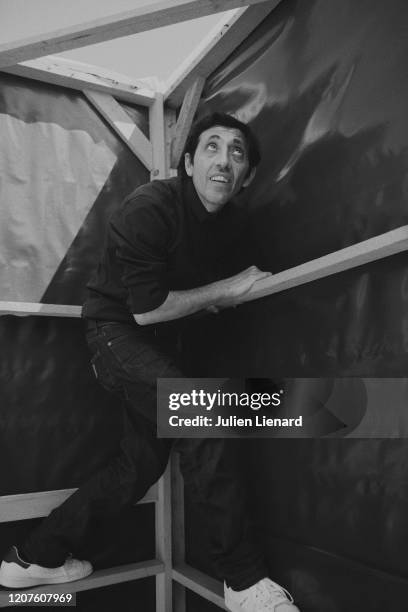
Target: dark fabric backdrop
(323, 84)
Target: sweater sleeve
(141, 235)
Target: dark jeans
(128, 360)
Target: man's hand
(230, 291)
(210, 298)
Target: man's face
(220, 166)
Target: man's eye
(238, 152)
(212, 146)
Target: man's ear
(188, 164)
(249, 178)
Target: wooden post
(157, 138)
(163, 543)
(185, 119)
(178, 530)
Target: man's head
(221, 155)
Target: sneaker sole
(233, 607)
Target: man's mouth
(219, 178)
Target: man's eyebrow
(235, 140)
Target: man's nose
(223, 160)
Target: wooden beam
(101, 578)
(373, 249)
(178, 529)
(170, 122)
(185, 119)
(158, 139)
(214, 49)
(140, 19)
(45, 310)
(78, 75)
(163, 543)
(203, 585)
(33, 505)
(123, 125)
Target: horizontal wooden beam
(205, 586)
(140, 19)
(373, 249)
(45, 310)
(101, 578)
(185, 119)
(214, 49)
(78, 75)
(33, 505)
(123, 125)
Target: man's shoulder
(159, 192)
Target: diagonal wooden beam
(185, 119)
(123, 125)
(78, 75)
(220, 42)
(33, 505)
(373, 249)
(140, 19)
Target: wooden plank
(123, 125)
(158, 139)
(140, 19)
(170, 122)
(163, 543)
(33, 505)
(379, 247)
(205, 586)
(33, 308)
(178, 529)
(373, 249)
(185, 119)
(101, 578)
(78, 75)
(215, 48)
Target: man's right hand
(232, 290)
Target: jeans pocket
(103, 375)
(129, 353)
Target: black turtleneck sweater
(163, 239)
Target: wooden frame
(183, 88)
(123, 125)
(214, 49)
(185, 119)
(373, 249)
(78, 75)
(146, 17)
(33, 505)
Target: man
(166, 257)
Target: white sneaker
(264, 596)
(18, 574)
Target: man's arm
(220, 294)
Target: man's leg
(129, 365)
(211, 471)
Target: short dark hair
(222, 120)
